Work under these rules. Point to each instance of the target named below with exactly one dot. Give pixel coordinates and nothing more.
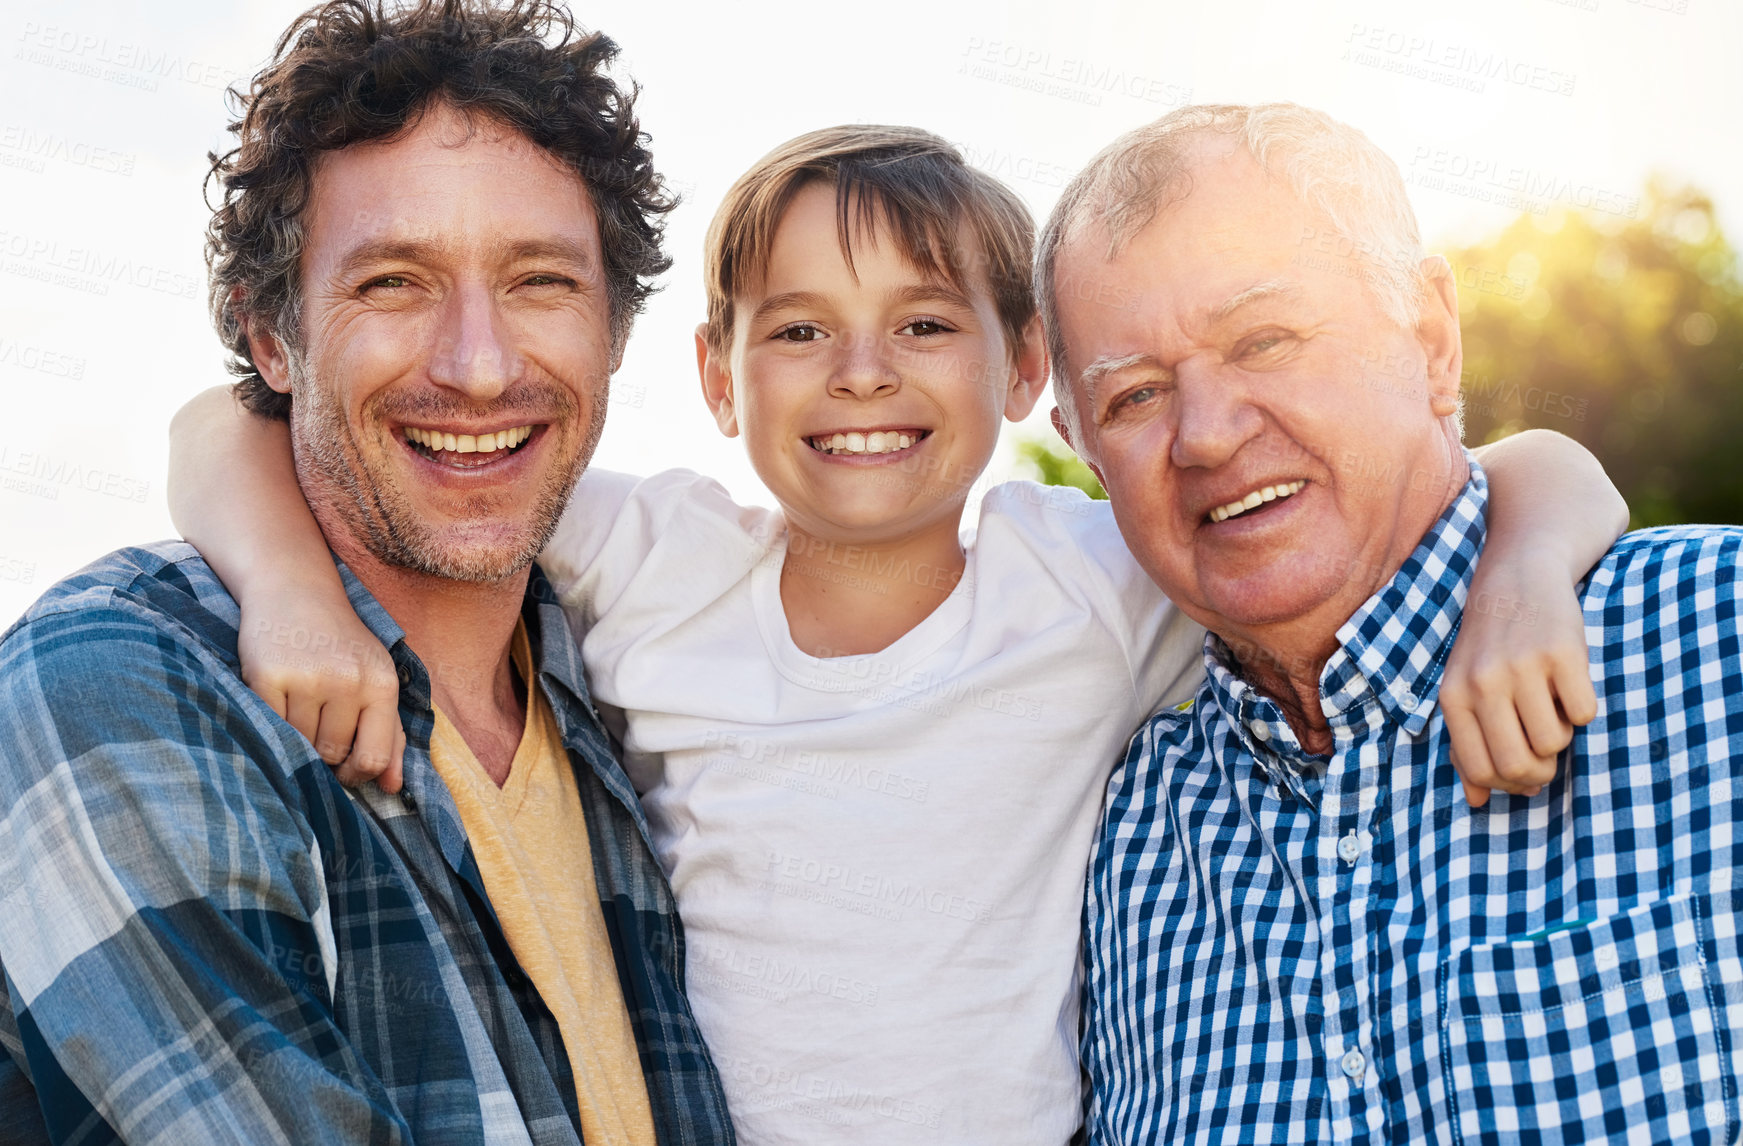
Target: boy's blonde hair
(913, 182)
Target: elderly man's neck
(463, 632)
(1284, 659)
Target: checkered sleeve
(166, 944)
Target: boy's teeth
(1257, 497)
(855, 442)
(436, 441)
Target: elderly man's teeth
(1256, 498)
(855, 442)
(436, 441)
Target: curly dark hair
(350, 71)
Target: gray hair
(1332, 167)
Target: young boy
(872, 750)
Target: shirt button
(1408, 702)
(1350, 848)
(1260, 730)
(1354, 1064)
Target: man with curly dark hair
(436, 229)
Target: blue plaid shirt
(205, 938)
(1285, 948)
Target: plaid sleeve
(166, 948)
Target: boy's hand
(321, 669)
(1517, 680)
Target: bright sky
(1488, 106)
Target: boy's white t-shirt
(879, 860)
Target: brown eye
(924, 326)
(799, 332)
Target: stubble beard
(338, 475)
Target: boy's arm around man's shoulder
(166, 943)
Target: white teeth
(862, 443)
(1257, 497)
(436, 441)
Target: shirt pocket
(1605, 1031)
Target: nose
(863, 369)
(1216, 415)
(473, 355)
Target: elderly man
(1298, 930)
(440, 219)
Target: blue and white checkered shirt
(204, 938)
(1284, 948)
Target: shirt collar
(554, 653)
(1392, 650)
(556, 661)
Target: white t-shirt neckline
(848, 673)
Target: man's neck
(463, 632)
(1284, 660)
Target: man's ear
(1028, 376)
(264, 348)
(716, 384)
(1064, 431)
(1438, 331)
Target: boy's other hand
(1518, 679)
(318, 666)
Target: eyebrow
(931, 292)
(799, 299)
(1103, 368)
(429, 251)
(1258, 292)
(905, 296)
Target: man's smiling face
(455, 351)
(1274, 444)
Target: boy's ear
(716, 384)
(265, 349)
(1438, 332)
(1028, 376)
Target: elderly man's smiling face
(1274, 443)
(456, 347)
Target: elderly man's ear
(1438, 332)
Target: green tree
(1050, 461)
(1626, 334)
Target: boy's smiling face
(834, 367)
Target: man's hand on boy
(318, 666)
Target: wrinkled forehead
(1225, 228)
